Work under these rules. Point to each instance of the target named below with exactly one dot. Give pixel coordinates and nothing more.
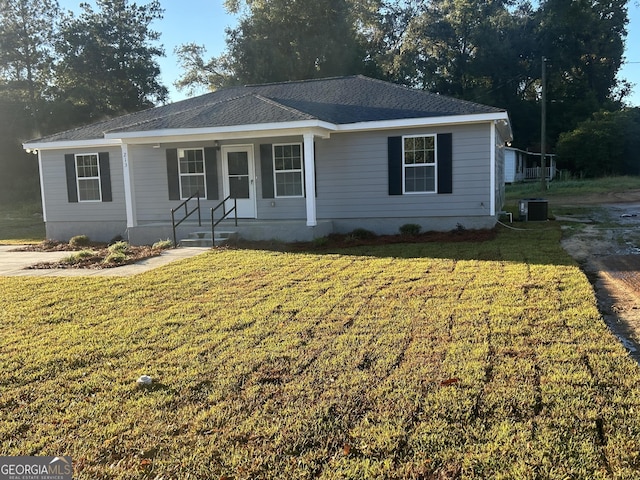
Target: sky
(204, 21)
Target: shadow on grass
(21, 223)
(534, 243)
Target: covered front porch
(247, 229)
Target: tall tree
(608, 143)
(278, 40)
(584, 42)
(27, 32)
(108, 65)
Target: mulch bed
(333, 241)
(97, 261)
(337, 241)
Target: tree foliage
(58, 71)
(487, 51)
(109, 65)
(608, 143)
(280, 40)
(27, 30)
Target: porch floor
(248, 229)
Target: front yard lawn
(434, 360)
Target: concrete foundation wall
(98, 231)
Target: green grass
(461, 360)
(558, 189)
(21, 223)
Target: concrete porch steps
(203, 239)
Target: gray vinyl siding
(352, 181)
(149, 175)
(151, 184)
(281, 208)
(58, 207)
(352, 176)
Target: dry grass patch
(466, 360)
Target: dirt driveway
(602, 232)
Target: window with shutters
(88, 177)
(419, 164)
(287, 170)
(191, 171)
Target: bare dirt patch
(605, 239)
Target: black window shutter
(211, 167)
(395, 165)
(172, 174)
(72, 186)
(445, 163)
(266, 171)
(105, 176)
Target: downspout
(310, 179)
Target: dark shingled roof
(340, 100)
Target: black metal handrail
(187, 214)
(225, 214)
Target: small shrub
(163, 245)
(362, 234)
(320, 241)
(115, 257)
(49, 244)
(410, 229)
(459, 228)
(119, 247)
(80, 241)
(79, 256)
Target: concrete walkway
(14, 264)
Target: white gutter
(255, 130)
(423, 122)
(317, 127)
(98, 142)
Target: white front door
(238, 170)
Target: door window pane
(239, 186)
(238, 163)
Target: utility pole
(543, 127)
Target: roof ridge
(283, 107)
(428, 92)
(307, 80)
(180, 112)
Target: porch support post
(492, 176)
(129, 200)
(310, 179)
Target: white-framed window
(191, 171)
(88, 177)
(287, 170)
(419, 164)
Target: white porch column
(492, 162)
(310, 179)
(129, 198)
(44, 204)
